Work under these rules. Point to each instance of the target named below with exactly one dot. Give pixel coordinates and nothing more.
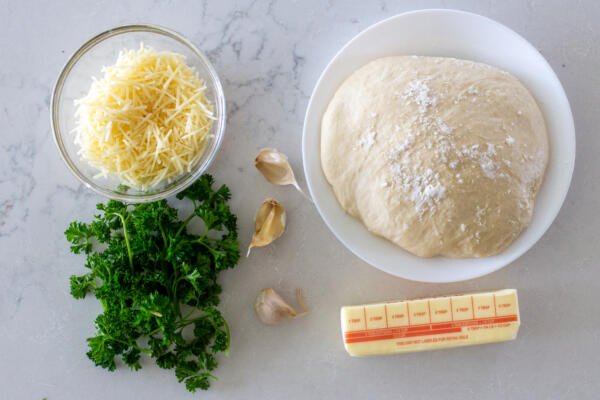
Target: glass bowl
(76, 78)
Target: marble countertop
(269, 55)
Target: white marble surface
(269, 56)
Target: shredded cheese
(146, 121)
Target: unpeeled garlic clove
(269, 224)
(272, 309)
(276, 168)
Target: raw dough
(441, 156)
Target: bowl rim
(312, 176)
(57, 134)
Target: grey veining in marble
(269, 55)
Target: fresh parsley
(155, 278)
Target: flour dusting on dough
(446, 159)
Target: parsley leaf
(154, 278)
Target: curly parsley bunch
(154, 279)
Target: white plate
(454, 34)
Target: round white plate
(453, 34)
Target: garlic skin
(269, 224)
(276, 169)
(272, 309)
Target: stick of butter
(429, 324)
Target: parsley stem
(162, 233)
(133, 345)
(189, 314)
(201, 241)
(181, 323)
(186, 322)
(184, 224)
(126, 235)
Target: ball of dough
(441, 156)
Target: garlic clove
(272, 309)
(269, 224)
(276, 169)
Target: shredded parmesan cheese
(146, 121)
